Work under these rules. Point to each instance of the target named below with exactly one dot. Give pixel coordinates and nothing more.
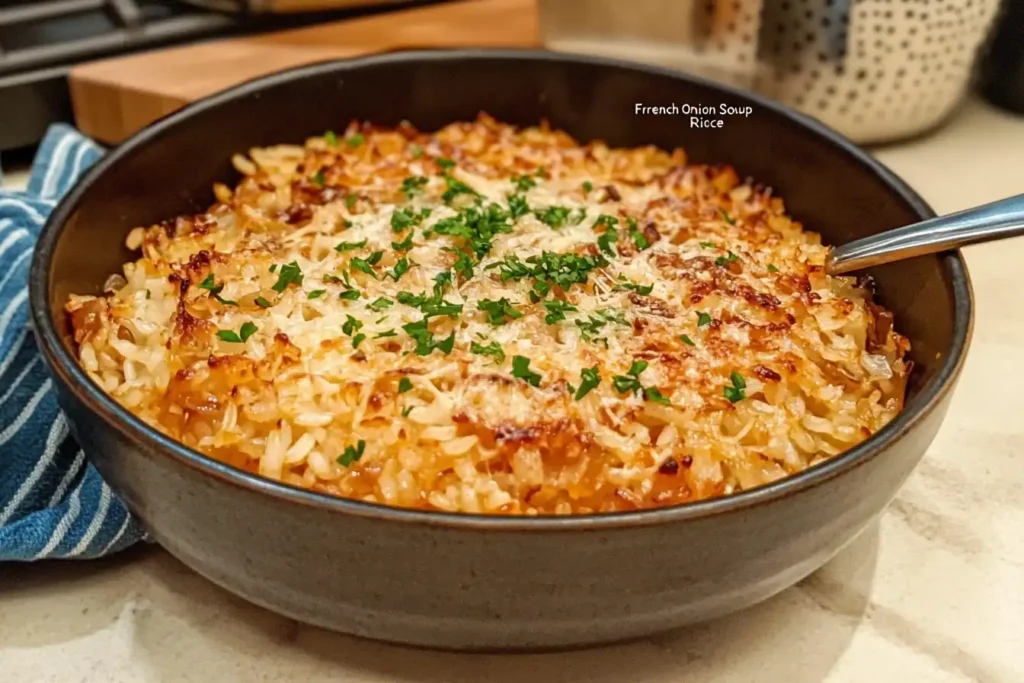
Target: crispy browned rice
(493, 320)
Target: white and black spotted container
(876, 70)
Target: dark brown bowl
(467, 581)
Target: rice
(494, 320)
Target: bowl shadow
(172, 614)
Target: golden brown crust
(281, 329)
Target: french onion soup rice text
(494, 320)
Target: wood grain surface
(116, 97)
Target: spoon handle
(998, 220)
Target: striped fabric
(53, 503)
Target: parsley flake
(404, 245)
(589, 379)
(349, 246)
(703, 319)
(262, 303)
(332, 138)
(351, 200)
(413, 185)
(355, 140)
(686, 340)
(316, 294)
(492, 349)
(727, 217)
(380, 304)
(521, 370)
(726, 260)
(288, 274)
(366, 265)
(556, 310)
(587, 187)
(352, 454)
(404, 385)
(498, 310)
(772, 268)
(247, 330)
(400, 269)
(517, 206)
(735, 392)
(523, 183)
(350, 295)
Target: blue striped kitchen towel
(52, 503)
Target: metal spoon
(995, 221)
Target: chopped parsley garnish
(403, 219)
(703, 319)
(351, 325)
(498, 310)
(521, 370)
(735, 392)
(549, 269)
(589, 379)
(366, 265)
(727, 217)
(463, 264)
(400, 269)
(319, 179)
(357, 340)
(476, 225)
(273, 267)
(149, 294)
(350, 246)
(590, 328)
(492, 349)
(416, 151)
(523, 182)
(332, 138)
(386, 333)
(262, 303)
(350, 295)
(404, 245)
(541, 172)
(609, 237)
(380, 304)
(404, 385)
(355, 140)
(556, 310)
(686, 340)
(350, 201)
(407, 410)
(517, 206)
(772, 268)
(587, 187)
(316, 294)
(445, 164)
(726, 260)
(707, 245)
(652, 394)
(638, 237)
(247, 330)
(425, 342)
(558, 216)
(642, 290)
(413, 185)
(605, 219)
(210, 285)
(630, 383)
(352, 454)
(456, 188)
(288, 274)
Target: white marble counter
(935, 592)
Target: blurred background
(877, 70)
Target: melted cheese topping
(488, 319)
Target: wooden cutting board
(115, 98)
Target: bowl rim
(67, 370)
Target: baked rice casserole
(494, 320)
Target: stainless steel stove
(40, 40)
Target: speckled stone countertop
(934, 592)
